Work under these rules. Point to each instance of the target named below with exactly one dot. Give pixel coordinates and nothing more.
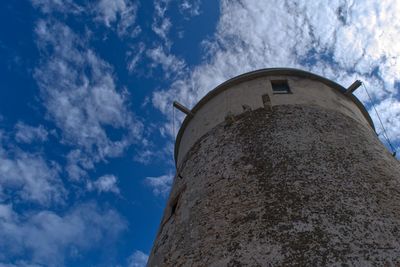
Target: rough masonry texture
(283, 185)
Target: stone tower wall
(290, 184)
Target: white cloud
(28, 134)
(47, 238)
(160, 53)
(171, 65)
(160, 185)
(78, 162)
(117, 14)
(108, 10)
(135, 55)
(121, 12)
(29, 177)
(161, 28)
(144, 156)
(138, 259)
(20, 264)
(63, 6)
(105, 183)
(161, 23)
(80, 95)
(342, 40)
(190, 8)
(6, 212)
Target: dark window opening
(280, 87)
(173, 207)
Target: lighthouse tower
(280, 167)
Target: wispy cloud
(159, 52)
(47, 238)
(190, 8)
(118, 15)
(160, 184)
(20, 264)
(121, 12)
(80, 95)
(161, 23)
(170, 64)
(29, 177)
(28, 134)
(144, 156)
(138, 259)
(105, 183)
(62, 6)
(134, 56)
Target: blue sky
(86, 91)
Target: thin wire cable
(385, 135)
(173, 132)
(173, 122)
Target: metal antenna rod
(353, 87)
(182, 108)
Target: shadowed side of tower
(280, 167)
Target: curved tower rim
(260, 73)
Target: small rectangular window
(280, 87)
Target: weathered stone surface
(295, 186)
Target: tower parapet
(255, 90)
